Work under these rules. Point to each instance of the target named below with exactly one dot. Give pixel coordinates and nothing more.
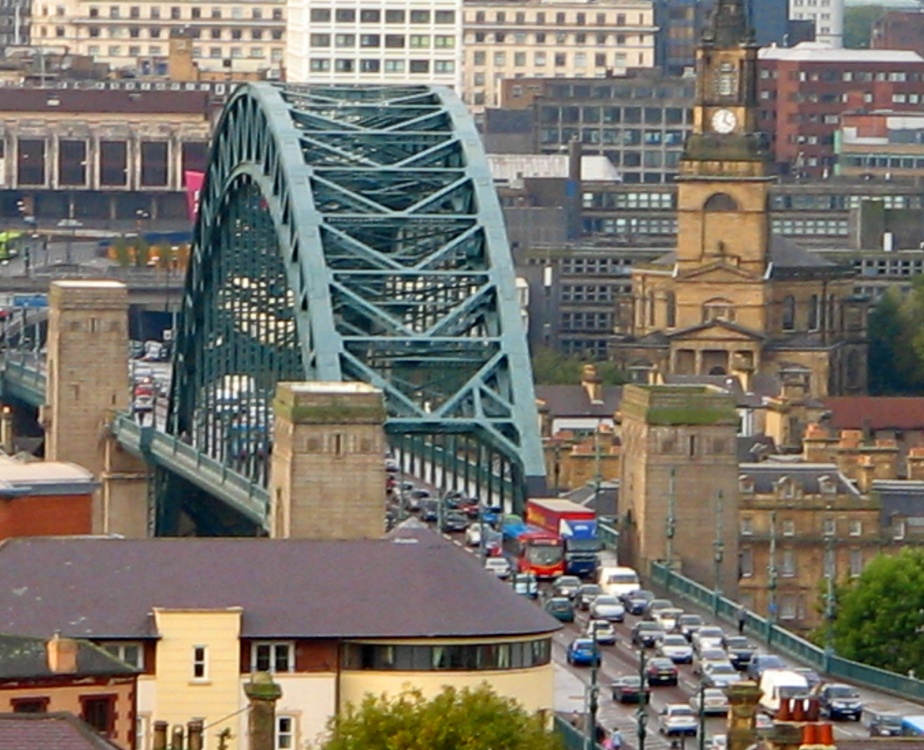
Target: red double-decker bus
(539, 552)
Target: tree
(552, 368)
(858, 24)
(123, 253)
(142, 252)
(896, 342)
(466, 719)
(880, 615)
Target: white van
(618, 580)
(781, 683)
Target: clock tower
(725, 170)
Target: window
(444, 16)
(747, 527)
(420, 66)
(394, 16)
(855, 528)
(200, 665)
(420, 16)
(788, 568)
(718, 309)
(488, 656)
(345, 15)
(130, 652)
(788, 608)
(856, 562)
(898, 528)
(273, 657)
(829, 527)
(789, 527)
(320, 15)
(285, 732)
(789, 313)
(747, 562)
(99, 712)
(257, 14)
(370, 16)
(29, 705)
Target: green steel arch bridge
(345, 233)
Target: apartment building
(232, 37)
(826, 15)
(559, 39)
(899, 29)
(373, 41)
(14, 23)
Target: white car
(675, 648)
(602, 631)
(499, 566)
(608, 608)
(720, 675)
(709, 636)
(678, 719)
(473, 535)
(702, 659)
(714, 700)
(667, 618)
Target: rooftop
(24, 657)
(43, 477)
(61, 731)
(811, 477)
(816, 52)
(875, 412)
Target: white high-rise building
(374, 41)
(828, 16)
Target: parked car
(586, 594)
(688, 624)
(838, 701)
(608, 608)
(761, 662)
(629, 689)
(661, 671)
(583, 652)
(667, 618)
(739, 650)
(675, 648)
(646, 634)
(454, 522)
(473, 535)
(654, 605)
(603, 631)
(708, 636)
(678, 720)
(499, 566)
(566, 586)
(708, 656)
(720, 675)
(560, 607)
(714, 702)
(636, 601)
(526, 584)
(811, 676)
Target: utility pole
(719, 547)
(598, 479)
(830, 573)
(641, 714)
(772, 573)
(671, 517)
(593, 701)
(701, 715)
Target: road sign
(30, 300)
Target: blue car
(582, 652)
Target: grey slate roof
(50, 731)
(26, 657)
(422, 586)
(572, 400)
(904, 498)
(766, 474)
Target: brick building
(803, 92)
(880, 143)
(898, 29)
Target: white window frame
(747, 562)
(118, 648)
(285, 738)
(272, 646)
(788, 526)
(747, 526)
(855, 528)
(788, 566)
(829, 527)
(202, 662)
(898, 528)
(856, 562)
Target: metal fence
(572, 737)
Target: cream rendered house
(333, 620)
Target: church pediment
(715, 329)
(718, 271)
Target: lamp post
(719, 547)
(641, 713)
(701, 716)
(671, 526)
(772, 575)
(830, 603)
(593, 701)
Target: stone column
(262, 693)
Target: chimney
(194, 735)
(866, 473)
(160, 736)
(176, 741)
(62, 654)
(915, 461)
(262, 693)
(592, 384)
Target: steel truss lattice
(353, 233)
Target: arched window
(670, 304)
(718, 308)
(720, 202)
(789, 313)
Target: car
(429, 511)
(526, 584)
(661, 671)
(761, 662)
(499, 566)
(688, 624)
(678, 720)
(882, 720)
(838, 701)
(421, 493)
(491, 514)
(566, 586)
(602, 631)
(708, 656)
(654, 605)
(560, 607)
(739, 650)
(717, 742)
(583, 652)
(811, 676)
(586, 594)
(629, 689)
(667, 618)
(636, 601)
(719, 675)
(675, 648)
(714, 702)
(708, 636)
(646, 634)
(473, 535)
(454, 522)
(608, 608)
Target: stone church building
(735, 299)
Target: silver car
(714, 702)
(678, 719)
(675, 648)
(608, 608)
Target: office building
(826, 15)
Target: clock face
(724, 121)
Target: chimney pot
(62, 654)
(160, 735)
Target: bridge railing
(789, 643)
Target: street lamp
(641, 713)
(593, 695)
(830, 603)
(719, 547)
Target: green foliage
(467, 719)
(123, 253)
(552, 368)
(896, 342)
(879, 615)
(142, 253)
(858, 24)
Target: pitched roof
(60, 731)
(27, 657)
(421, 586)
(766, 474)
(903, 498)
(876, 412)
(572, 400)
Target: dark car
(636, 601)
(429, 510)
(654, 605)
(739, 650)
(761, 662)
(583, 652)
(454, 522)
(811, 676)
(566, 586)
(838, 701)
(629, 689)
(660, 671)
(561, 608)
(646, 634)
(587, 595)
